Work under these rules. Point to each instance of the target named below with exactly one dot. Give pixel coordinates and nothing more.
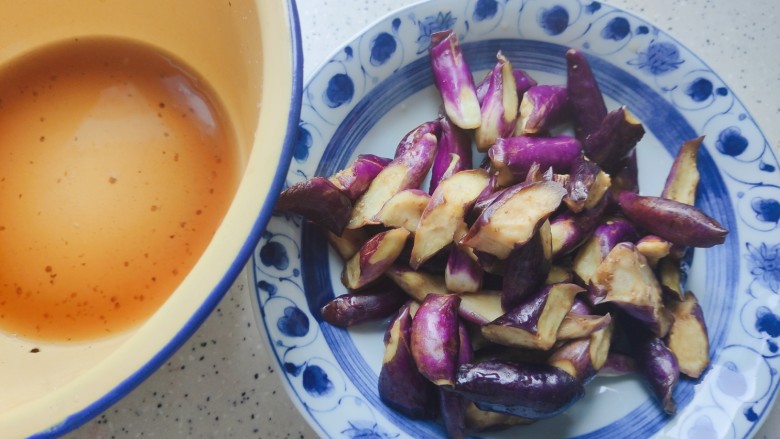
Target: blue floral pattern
(322, 371)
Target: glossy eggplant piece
(319, 201)
(523, 81)
(575, 326)
(454, 80)
(481, 308)
(654, 248)
(453, 140)
(658, 365)
(354, 308)
(435, 338)
(374, 258)
(688, 338)
(404, 209)
(606, 236)
(587, 185)
(683, 179)
(355, 179)
(669, 275)
(617, 365)
(542, 107)
(679, 223)
(454, 405)
(498, 107)
(478, 420)
(512, 157)
(587, 103)
(463, 273)
(614, 140)
(348, 244)
(527, 268)
(416, 284)
(582, 358)
(401, 386)
(569, 230)
(531, 391)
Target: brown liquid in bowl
(116, 167)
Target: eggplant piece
(407, 171)
(408, 143)
(319, 201)
(617, 364)
(625, 280)
(478, 420)
(527, 268)
(435, 338)
(679, 223)
(453, 140)
(404, 209)
(348, 244)
(446, 210)
(587, 103)
(683, 179)
(658, 365)
(542, 107)
(374, 258)
(584, 357)
(499, 106)
(626, 178)
(512, 157)
(355, 179)
(559, 274)
(354, 308)
(416, 284)
(669, 275)
(513, 218)
(401, 386)
(535, 321)
(454, 405)
(531, 391)
(569, 230)
(606, 235)
(481, 308)
(587, 185)
(687, 337)
(575, 326)
(523, 81)
(463, 274)
(453, 78)
(614, 140)
(654, 248)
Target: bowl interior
(227, 44)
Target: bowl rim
(94, 408)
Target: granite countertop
(223, 383)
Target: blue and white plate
(379, 86)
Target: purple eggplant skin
(453, 140)
(478, 420)
(527, 268)
(679, 223)
(401, 386)
(453, 78)
(626, 178)
(512, 157)
(654, 248)
(435, 338)
(374, 258)
(688, 338)
(523, 81)
(543, 107)
(349, 243)
(658, 364)
(355, 179)
(407, 171)
(319, 201)
(617, 364)
(683, 179)
(586, 177)
(582, 358)
(532, 391)
(413, 137)
(453, 405)
(354, 308)
(499, 106)
(463, 274)
(570, 230)
(606, 235)
(585, 98)
(615, 138)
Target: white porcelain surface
(222, 383)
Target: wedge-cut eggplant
(409, 143)
(659, 367)
(606, 235)
(417, 284)
(498, 107)
(687, 337)
(576, 325)
(532, 391)
(512, 157)
(348, 244)
(523, 81)
(355, 179)
(374, 258)
(454, 80)
(587, 185)
(559, 274)
(354, 308)
(626, 280)
(401, 386)
(319, 201)
(683, 179)
(454, 405)
(653, 248)
(617, 365)
(453, 140)
(679, 223)
(435, 338)
(584, 357)
(478, 420)
(626, 178)
(542, 107)
(535, 321)
(527, 268)
(614, 140)
(463, 273)
(446, 210)
(404, 209)
(407, 171)
(481, 308)
(569, 230)
(587, 103)
(670, 278)
(513, 218)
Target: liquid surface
(116, 167)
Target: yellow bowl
(249, 53)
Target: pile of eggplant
(509, 285)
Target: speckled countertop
(222, 382)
